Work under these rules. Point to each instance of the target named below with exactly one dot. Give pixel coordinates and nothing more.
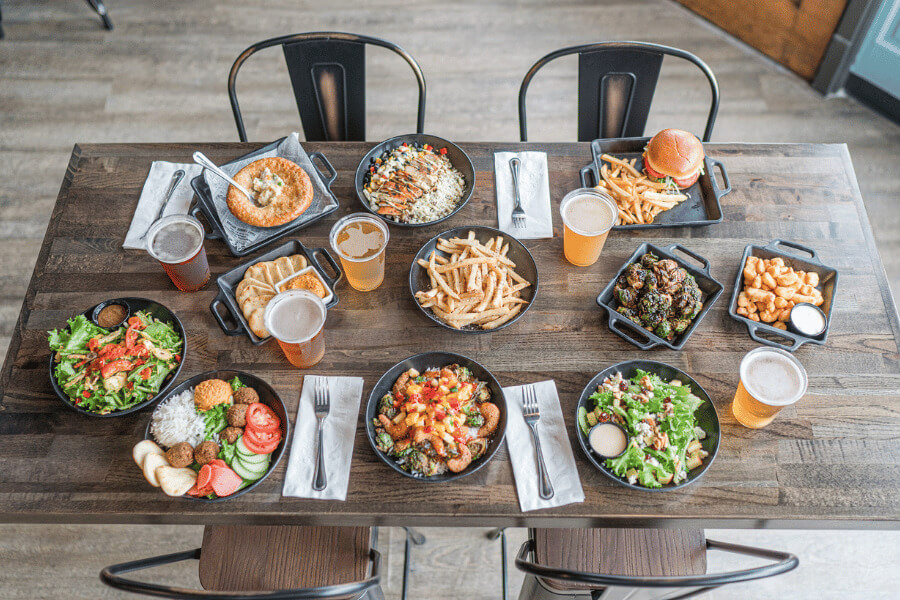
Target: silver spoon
(177, 176)
(204, 162)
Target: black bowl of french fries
(473, 279)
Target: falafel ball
(212, 392)
(231, 434)
(237, 415)
(205, 452)
(245, 395)
(180, 455)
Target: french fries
(640, 199)
(771, 289)
(473, 283)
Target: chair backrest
(616, 82)
(328, 75)
(660, 586)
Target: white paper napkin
(152, 196)
(534, 190)
(339, 432)
(554, 444)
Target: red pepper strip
(139, 362)
(78, 364)
(114, 367)
(145, 374)
(177, 358)
(138, 350)
(135, 323)
(131, 337)
(112, 351)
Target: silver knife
(177, 176)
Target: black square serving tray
(637, 335)
(702, 206)
(205, 206)
(229, 281)
(828, 278)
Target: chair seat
(632, 552)
(266, 558)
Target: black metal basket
(633, 332)
(828, 278)
(206, 207)
(227, 283)
(702, 206)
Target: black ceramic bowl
(459, 159)
(518, 253)
(132, 305)
(267, 395)
(707, 419)
(422, 362)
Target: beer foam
(589, 214)
(175, 242)
(773, 378)
(295, 317)
(359, 244)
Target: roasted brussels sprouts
(386, 407)
(384, 442)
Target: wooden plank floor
(160, 76)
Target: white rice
(176, 420)
(443, 199)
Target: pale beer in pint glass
(770, 380)
(360, 241)
(176, 242)
(587, 216)
(296, 319)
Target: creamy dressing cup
(809, 320)
(602, 433)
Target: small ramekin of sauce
(111, 315)
(808, 319)
(608, 439)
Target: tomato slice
(262, 419)
(262, 438)
(260, 446)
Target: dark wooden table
(833, 460)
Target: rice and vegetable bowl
(414, 184)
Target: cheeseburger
(673, 156)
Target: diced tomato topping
(439, 415)
(454, 404)
(443, 151)
(114, 367)
(177, 357)
(86, 393)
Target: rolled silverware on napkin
(534, 191)
(153, 196)
(339, 434)
(555, 444)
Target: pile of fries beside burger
(473, 283)
(673, 161)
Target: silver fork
(323, 406)
(518, 215)
(532, 415)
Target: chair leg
(1, 21)
(100, 9)
(493, 534)
(412, 537)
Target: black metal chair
(97, 5)
(328, 75)
(241, 570)
(616, 82)
(543, 582)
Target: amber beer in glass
(176, 242)
(587, 216)
(296, 319)
(770, 380)
(360, 241)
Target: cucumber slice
(241, 449)
(254, 459)
(249, 472)
(582, 420)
